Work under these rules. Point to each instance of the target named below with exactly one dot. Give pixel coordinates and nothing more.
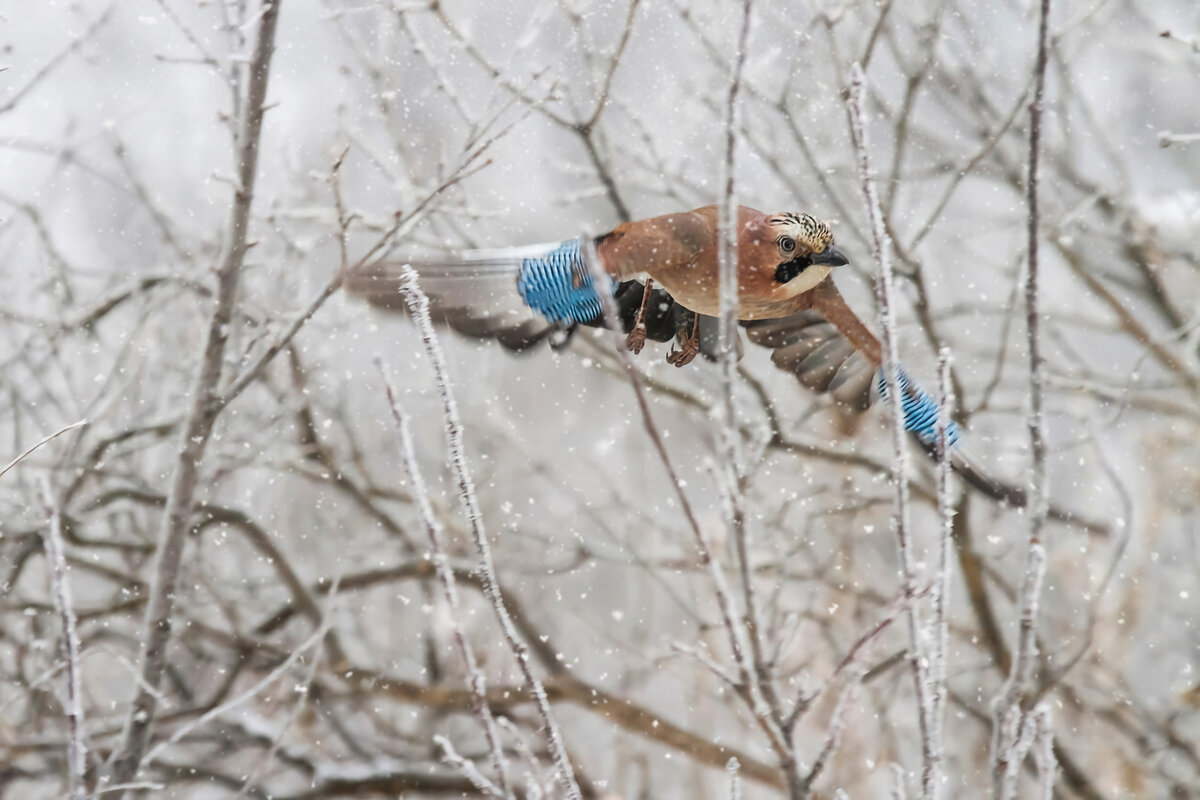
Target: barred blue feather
(920, 410)
(559, 286)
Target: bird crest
(806, 230)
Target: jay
(665, 281)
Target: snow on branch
(885, 294)
(418, 304)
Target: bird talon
(689, 345)
(636, 339)
(684, 355)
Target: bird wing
(474, 292)
(652, 244)
(825, 345)
(471, 291)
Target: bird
(663, 274)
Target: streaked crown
(808, 231)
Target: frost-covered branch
(735, 631)
(885, 294)
(44, 440)
(418, 305)
(1014, 724)
(441, 561)
(246, 696)
(939, 628)
(61, 589)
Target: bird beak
(832, 257)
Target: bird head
(802, 241)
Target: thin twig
(1043, 753)
(441, 561)
(400, 225)
(729, 617)
(93, 27)
(466, 768)
(255, 690)
(941, 581)
(418, 305)
(305, 689)
(1012, 721)
(837, 726)
(46, 439)
(61, 588)
(886, 298)
(729, 468)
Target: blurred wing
(826, 346)
(829, 349)
(473, 292)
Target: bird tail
(920, 411)
(560, 286)
(474, 292)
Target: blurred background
(475, 124)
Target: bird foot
(636, 339)
(684, 355)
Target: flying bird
(664, 276)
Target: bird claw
(636, 339)
(684, 355)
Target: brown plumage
(784, 291)
(786, 300)
(679, 251)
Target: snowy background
(496, 124)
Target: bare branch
(433, 531)
(941, 581)
(418, 304)
(206, 406)
(61, 589)
(885, 295)
(1013, 722)
(43, 441)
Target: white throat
(809, 278)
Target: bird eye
(787, 244)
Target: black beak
(832, 257)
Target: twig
(885, 296)
(729, 467)
(433, 530)
(274, 675)
(93, 27)
(1166, 138)
(418, 305)
(837, 726)
(735, 781)
(1012, 722)
(127, 758)
(941, 581)
(467, 768)
(61, 588)
(399, 226)
(725, 603)
(854, 659)
(1043, 753)
(49, 438)
(727, 229)
(305, 690)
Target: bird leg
(690, 347)
(636, 339)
